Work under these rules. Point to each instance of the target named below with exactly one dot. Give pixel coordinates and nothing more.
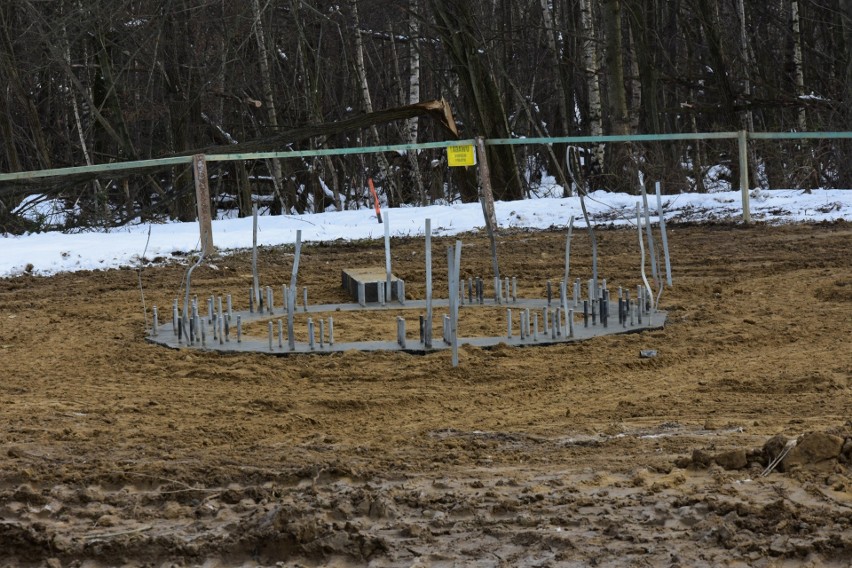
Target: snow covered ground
(53, 252)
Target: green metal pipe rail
(741, 136)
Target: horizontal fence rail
(178, 160)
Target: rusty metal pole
(487, 200)
(202, 200)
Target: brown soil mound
(115, 451)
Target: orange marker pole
(375, 199)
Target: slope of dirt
(114, 451)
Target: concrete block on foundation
(371, 278)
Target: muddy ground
(114, 451)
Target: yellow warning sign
(460, 156)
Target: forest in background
(99, 81)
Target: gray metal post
(386, 221)
(652, 252)
(330, 330)
(311, 333)
(230, 305)
(400, 291)
(305, 298)
(270, 336)
(291, 309)
(568, 249)
(509, 322)
(663, 235)
(239, 329)
(322, 334)
(255, 280)
(427, 336)
(362, 295)
(155, 323)
(280, 334)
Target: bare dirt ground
(114, 451)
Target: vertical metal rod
(322, 334)
(180, 331)
(652, 253)
(294, 275)
(270, 336)
(568, 249)
(254, 276)
(284, 297)
(280, 334)
(508, 296)
(585, 313)
(291, 309)
(535, 326)
(570, 323)
(380, 293)
(230, 305)
(203, 337)
(155, 323)
(549, 293)
(386, 221)
(522, 326)
(220, 322)
(270, 299)
(427, 337)
(498, 287)
(251, 300)
(305, 298)
(577, 293)
(527, 312)
(470, 290)
(221, 312)
(514, 288)
(330, 330)
(557, 322)
(227, 329)
(239, 329)
(665, 239)
(311, 333)
(509, 322)
(175, 317)
(402, 332)
(400, 291)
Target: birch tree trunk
(412, 126)
(392, 192)
(798, 71)
(564, 95)
(590, 68)
(278, 206)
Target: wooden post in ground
(487, 199)
(202, 200)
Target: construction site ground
(114, 451)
